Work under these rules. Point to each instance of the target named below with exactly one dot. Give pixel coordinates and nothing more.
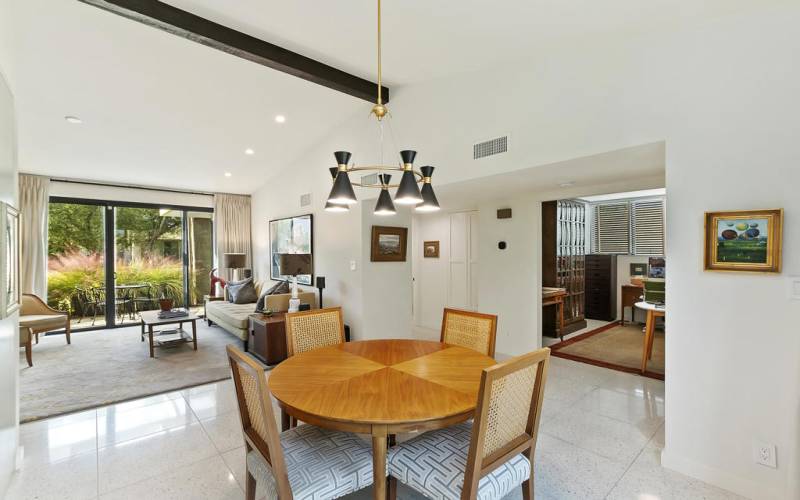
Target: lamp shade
(342, 192)
(294, 264)
(384, 205)
(234, 260)
(408, 191)
(429, 201)
(333, 207)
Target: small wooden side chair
(469, 329)
(35, 314)
(305, 463)
(307, 330)
(488, 457)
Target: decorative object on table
(236, 262)
(320, 287)
(656, 267)
(408, 191)
(294, 265)
(388, 244)
(165, 304)
(173, 313)
(430, 249)
(745, 240)
(655, 291)
(9, 260)
(213, 281)
(291, 235)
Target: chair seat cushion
(40, 321)
(322, 464)
(434, 463)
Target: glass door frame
(110, 244)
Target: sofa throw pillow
(242, 292)
(277, 289)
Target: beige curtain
(231, 228)
(34, 196)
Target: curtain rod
(67, 180)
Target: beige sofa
(234, 318)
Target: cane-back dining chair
(469, 329)
(307, 330)
(490, 456)
(306, 462)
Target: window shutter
(612, 222)
(647, 223)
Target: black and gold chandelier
(408, 190)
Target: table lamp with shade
(236, 262)
(294, 264)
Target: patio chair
(143, 299)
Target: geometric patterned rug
(108, 366)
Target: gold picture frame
(744, 241)
(388, 244)
(430, 249)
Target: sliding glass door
(109, 261)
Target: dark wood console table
(267, 338)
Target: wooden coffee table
(150, 320)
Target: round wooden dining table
(382, 388)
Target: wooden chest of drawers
(601, 287)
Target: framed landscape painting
(290, 235)
(748, 240)
(388, 244)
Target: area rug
(107, 366)
(614, 346)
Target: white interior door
(462, 291)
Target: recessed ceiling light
(249, 151)
(73, 119)
(280, 118)
(228, 174)
(567, 184)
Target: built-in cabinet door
(462, 288)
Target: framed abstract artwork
(291, 235)
(746, 241)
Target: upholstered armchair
(40, 317)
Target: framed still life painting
(747, 240)
(290, 235)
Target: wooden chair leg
(37, 337)
(527, 486)
(391, 488)
(29, 352)
(250, 487)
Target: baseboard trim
(719, 478)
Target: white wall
(9, 333)
(431, 275)
(723, 95)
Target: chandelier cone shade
(342, 192)
(385, 205)
(429, 201)
(408, 190)
(333, 207)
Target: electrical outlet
(352, 265)
(765, 454)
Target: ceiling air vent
(490, 147)
(369, 179)
(305, 200)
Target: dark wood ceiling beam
(197, 29)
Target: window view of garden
(148, 260)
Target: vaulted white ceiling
(161, 110)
